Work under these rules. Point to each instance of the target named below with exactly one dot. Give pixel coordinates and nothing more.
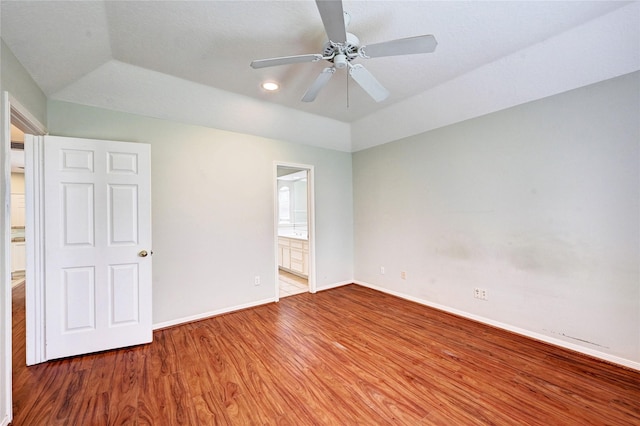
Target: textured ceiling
(76, 48)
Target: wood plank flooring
(347, 356)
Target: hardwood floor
(345, 356)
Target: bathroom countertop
(293, 235)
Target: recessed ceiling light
(270, 86)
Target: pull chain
(347, 88)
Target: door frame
(311, 215)
(34, 238)
(12, 112)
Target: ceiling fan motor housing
(342, 53)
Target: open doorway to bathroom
(293, 230)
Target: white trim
(34, 233)
(336, 285)
(523, 332)
(210, 314)
(16, 283)
(311, 213)
(276, 248)
(5, 267)
(23, 119)
(311, 196)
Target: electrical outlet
(480, 293)
(403, 275)
(256, 280)
(382, 270)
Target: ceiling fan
(343, 47)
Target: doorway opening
(25, 331)
(17, 219)
(294, 230)
(16, 122)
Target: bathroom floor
(291, 284)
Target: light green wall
(538, 204)
(213, 208)
(20, 85)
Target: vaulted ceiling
(105, 53)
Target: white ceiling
(102, 52)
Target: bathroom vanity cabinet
(293, 255)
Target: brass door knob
(143, 253)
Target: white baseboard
(527, 333)
(5, 421)
(334, 285)
(204, 315)
(210, 314)
(531, 334)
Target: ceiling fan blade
(368, 82)
(285, 60)
(333, 19)
(317, 85)
(402, 46)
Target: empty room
(320, 212)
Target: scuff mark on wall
(576, 338)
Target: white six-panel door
(97, 245)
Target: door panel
(123, 215)
(97, 219)
(77, 215)
(79, 299)
(124, 289)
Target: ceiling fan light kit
(343, 47)
(340, 61)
